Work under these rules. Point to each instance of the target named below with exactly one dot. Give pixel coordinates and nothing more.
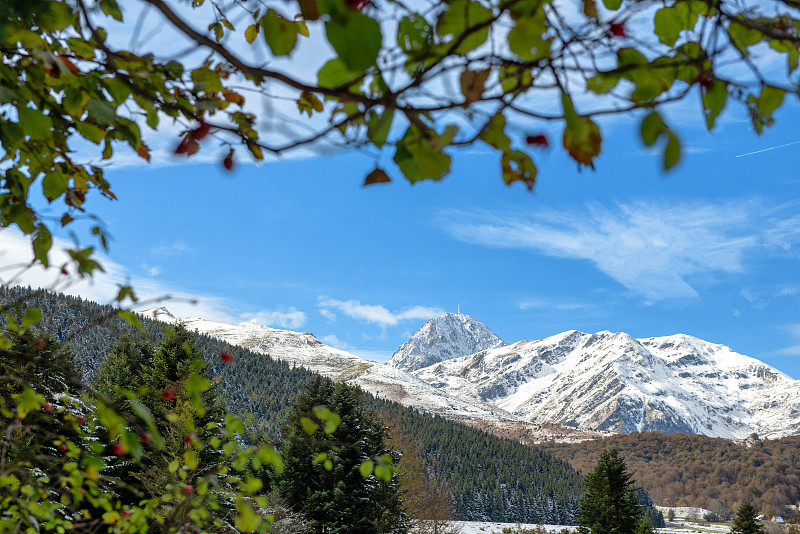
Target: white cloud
(334, 342)
(290, 318)
(653, 249)
(15, 252)
(374, 313)
(176, 248)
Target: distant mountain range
(568, 386)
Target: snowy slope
(610, 381)
(445, 337)
(303, 349)
(604, 381)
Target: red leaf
(617, 29)
(538, 140)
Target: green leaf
(279, 33)
(672, 152)
(526, 38)
(582, 137)
(118, 90)
(111, 8)
(493, 133)
(335, 74)
(670, 21)
(207, 80)
(42, 243)
(27, 401)
(366, 468)
(379, 125)
(357, 40)
(459, 20)
(741, 36)
(309, 426)
(602, 82)
(714, 100)
(90, 131)
(414, 34)
(419, 154)
(613, 5)
(251, 32)
(652, 127)
(769, 100)
(101, 111)
(247, 519)
(54, 184)
(517, 166)
(32, 316)
(35, 123)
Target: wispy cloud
(794, 350)
(654, 249)
(374, 313)
(15, 251)
(289, 318)
(176, 248)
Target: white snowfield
(604, 381)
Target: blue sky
(711, 249)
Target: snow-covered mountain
(303, 349)
(610, 381)
(590, 382)
(445, 337)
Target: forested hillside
(692, 470)
(490, 478)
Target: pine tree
(332, 492)
(746, 521)
(610, 504)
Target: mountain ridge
(601, 382)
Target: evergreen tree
(610, 504)
(746, 521)
(322, 467)
(159, 378)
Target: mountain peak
(445, 337)
(159, 314)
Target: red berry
(188, 490)
(538, 140)
(168, 394)
(39, 344)
(126, 512)
(63, 447)
(117, 449)
(146, 437)
(64, 271)
(47, 407)
(357, 5)
(80, 419)
(617, 29)
(226, 357)
(228, 162)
